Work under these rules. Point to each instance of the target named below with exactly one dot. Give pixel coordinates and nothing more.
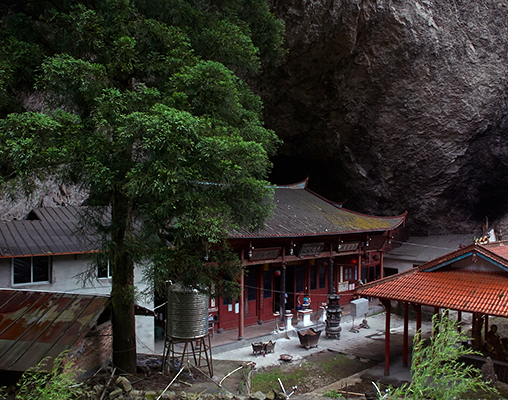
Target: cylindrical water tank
(187, 313)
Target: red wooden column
(387, 305)
(406, 321)
(241, 300)
(381, 266)
(459, 321)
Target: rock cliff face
(395, 106)
(47, 194)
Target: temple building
(310, 246)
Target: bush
(436, 372)
(58, 383)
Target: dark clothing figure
(494, 343)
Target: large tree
(144, 104)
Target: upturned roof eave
(310, 234)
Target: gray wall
(63, 279)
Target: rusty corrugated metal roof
(35, 325)
(440, 283)
(300, 212)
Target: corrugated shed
(300, 212)
(35, 325)
(422, 249)
(437, 284)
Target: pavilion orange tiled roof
(434, 284)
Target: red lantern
(276, 272)
(354, 261)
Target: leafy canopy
(143, 103)
(436, 369)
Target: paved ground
(228, 352)
(361, 343)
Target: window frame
(32, 274)
(108, 271)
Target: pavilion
(472, 279)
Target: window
(348, 274)
(104, 271)
(31, 270)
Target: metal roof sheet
(35, 325)
(421, 249)
(436, 284)
(300, 212)
(49, 231)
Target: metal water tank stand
(177, 351)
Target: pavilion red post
(405, 341)
(387, 305)
(459, 321)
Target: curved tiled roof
(300, 212)
(433, 284)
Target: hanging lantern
(354, 261)
(276, 272)
(376, 257)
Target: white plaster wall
(145, 334)
(63, 279)
(400, 265)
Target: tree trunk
(122, 291)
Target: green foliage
(144, 104)
(436, 372)
(51, 381)
(333, 394)
(266, 381)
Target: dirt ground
(320, 369)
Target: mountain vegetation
(144, 105)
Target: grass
(331, 368)
(264, 381)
